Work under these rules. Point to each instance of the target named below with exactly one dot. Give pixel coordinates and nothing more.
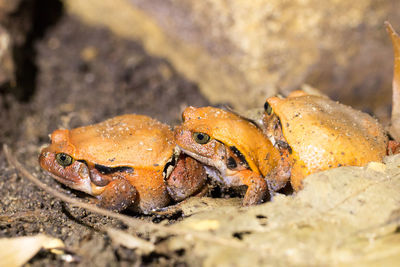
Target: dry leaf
(204, 225)
(121, 238)
(341, 217)
(17, 251)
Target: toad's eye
(64, 159)
(201, 138)
(268, 108)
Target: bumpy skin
(120, 161)
(322, 134)
(393, 147)
(183, 181)
(237, 153)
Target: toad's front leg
(187, 179)
(118, 195)
(393, 147)
(257, 189)
(280, 175)
(113, 192)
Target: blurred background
(68, 63)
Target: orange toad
(233, 149)
(126, 161)
(318, 134)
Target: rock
(239, 52)
(6, 59)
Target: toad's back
(127, 140)
(324, 133)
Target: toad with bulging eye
(233, 149)
(127, 161)
(318, 134)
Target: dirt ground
(83, 75)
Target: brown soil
(79, 75)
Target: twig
(395, 127)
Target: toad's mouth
(86, 182)
(83, 185)
(218, 165)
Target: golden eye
(64, 159)
(201, 138)
(268, 108)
